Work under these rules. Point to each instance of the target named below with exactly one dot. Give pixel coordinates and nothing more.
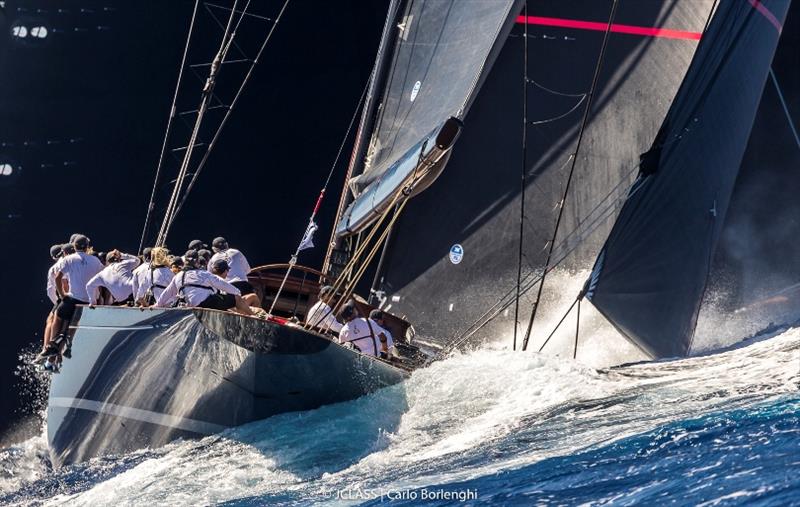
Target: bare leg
(242, 307)
(252, 300)
(48, 329)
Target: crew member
(204, 257)
(150, 283)
(198, 245)
(364, 334)
(239, 269)
(321, 314)
(139, 274)
(196, 287)
(176, 264)
(116, 277)
(56, 253)
(78, 268)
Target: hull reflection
(142, 378)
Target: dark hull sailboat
(142, 378)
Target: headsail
(650, 276)
(440, 52)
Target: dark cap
(146, 253)
(220, 266)
(348, 312)
(55, 251)
(190, 256)
(197, 244)
(219, 243)
(204, 254)
(376, 315)
(67, 248)
(101, 256)
(81, 242)
(176, 261)
(74, 237)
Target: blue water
(489, 427)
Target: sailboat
(497, 139)
(142, 377)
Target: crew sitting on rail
(56, 253)
(138, 273)
(321, 314)
(196, 287)
(239, 269)
(148, 284)
(175, 264)
(204, 257)
(78, 268)
(364, 334)
(116, 278)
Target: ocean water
(487, 427)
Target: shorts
(219, 302)
(66, 308)
(244, 287)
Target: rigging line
(219, 23)
(785, 107)
(577, 300)
(230, 109)
(160, 240)
(584, 122)
(172, 111)
(524, 171)
(311, 224)
(501, 303)
(555, 118)
(577, 331)
(554, 92)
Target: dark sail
(440, 51)
(475, 203)
(650, 276)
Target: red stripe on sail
(616, 28)
(760, 7)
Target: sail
(473, 208)
(650, 276)
(439, 52)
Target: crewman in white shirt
(138, 291)
(196, 287)
(239, 269)
(56, 253)
(116, 278)
(364, 334)
(321, 314)
(78, 268)
(148, 284)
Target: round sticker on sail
(415, 90)
(456, 253)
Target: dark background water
(82, 118)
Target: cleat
(67, 352)
(51, 367)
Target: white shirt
(117, 277)
(194, 295)
(79, 268)
(237, 262)
(321, 315)
(357, 332)
(144, 279)
(51, 282)
(138, 291)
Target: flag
(308, 236)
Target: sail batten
(650, 276)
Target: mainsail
(474, 207)
(650, 276)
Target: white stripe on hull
(138, 414)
